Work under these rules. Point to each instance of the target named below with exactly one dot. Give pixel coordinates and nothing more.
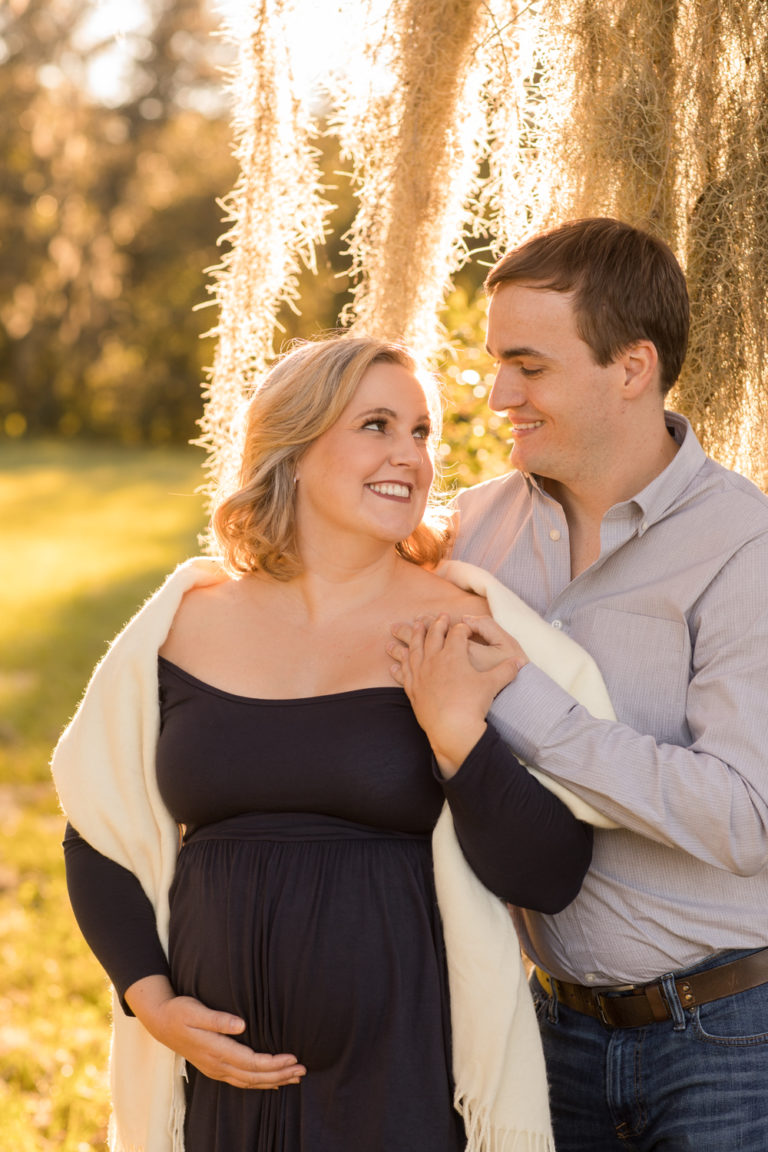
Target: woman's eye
(377, 425)
(422, 432)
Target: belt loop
(553, 1006)
(599, 1002)
(553, 1014)
(669, 992)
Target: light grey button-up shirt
(675, 612)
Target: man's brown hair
(626, 285)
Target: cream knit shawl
(104, 770)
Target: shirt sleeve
(709, 797)
(520, 840)
(114, 915)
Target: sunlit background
(121, 33)
(365, 160)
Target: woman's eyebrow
(387, 412)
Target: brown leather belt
(647, 1003)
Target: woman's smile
(391, 490)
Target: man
(652, 986)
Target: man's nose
(508, 390)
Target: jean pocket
(739, 1021)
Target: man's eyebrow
(511, 353)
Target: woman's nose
(408, 450)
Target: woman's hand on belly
(204, 1037)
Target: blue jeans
(695, 1083)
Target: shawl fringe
(178, 1105)
(484, 1136)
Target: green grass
(87, 533)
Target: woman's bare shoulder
(203, 599)
(442, 595)
(206, 612)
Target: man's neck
(586, 501)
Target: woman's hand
(451, 674)
(203, 1036)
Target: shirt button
(590, 978)
(554, 534)
(557, 623)
(644, 525)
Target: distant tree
(108, 219)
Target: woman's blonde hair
(302, 396)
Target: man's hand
(490, 645)
(451, 674)
(203, 1036)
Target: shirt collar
(664, 491)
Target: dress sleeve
(520, 840)
(114, 915)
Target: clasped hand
(451, 674)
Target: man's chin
(522, 461)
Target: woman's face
(370, 473)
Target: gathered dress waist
(282, 827)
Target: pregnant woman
(251, 800)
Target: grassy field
(87, 533)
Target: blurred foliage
(474, 445)
(108, 217)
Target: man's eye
(530, 371)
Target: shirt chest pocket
(645, 662)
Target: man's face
(562, 407)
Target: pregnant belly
(322, 935)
